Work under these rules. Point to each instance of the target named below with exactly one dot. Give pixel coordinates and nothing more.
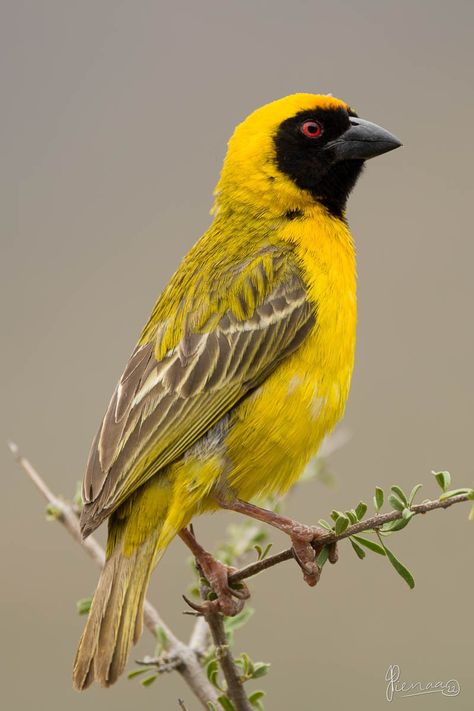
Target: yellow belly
(281, 426)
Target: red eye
(311, 129)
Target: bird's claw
(229, 600)
(306, 549)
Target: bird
(242, 369)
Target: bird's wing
(164, 403)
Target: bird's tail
(138, 535)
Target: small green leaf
(53, 512)
(83, 605)
(443, 479)
(211, 706)
(322, 557)
(149, 680)
(352, 516)
(399, 567)
(212, 671)
(396, 525)
(378, 498)
(226, 703)
(371, 545)
(262, 552)
(361, 510)
(325, 524)
(260, 669)
(335, 514)
(400, 493)
(359, 551)
(413, 493)
(342, 523)
(255, 700)
(246, 664)
(471, 514)
(455, 492)
(396, 503)
(407, 514)
(137, 672)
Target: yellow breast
(283, 423)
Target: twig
(235, 687)
(181, 705)
(369, 524)
(189, 668)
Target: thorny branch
(185, 657)
(368, 524)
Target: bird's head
(302, 150)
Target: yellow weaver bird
(242, 369)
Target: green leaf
(407, 514)
(361, 510)
(325, 524)
(400, 493)
(399, 567)
(471, 514)
(359, 551)
(396, 503)
(262, 552)
(53, 512)
(322, 557)
(211, 706)
(352, 516)
(149, 680)
(413, 493)
(335, 514)
(342, 523)
(378, 498)
(396, 525)
(260, 669)
(83, 605)
(443, 479)
(137, 672)
(212, 671)
(255, 699)
(226, 703)
(246, 664)
(455, 492)
(371, 545)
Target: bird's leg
(229, 601)
(304, 539)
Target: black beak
(361, 141)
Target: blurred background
(115, 117)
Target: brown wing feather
(160, 408)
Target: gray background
(115, 117)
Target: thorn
(193, 605)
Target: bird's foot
(306, 549)
(225, 599)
